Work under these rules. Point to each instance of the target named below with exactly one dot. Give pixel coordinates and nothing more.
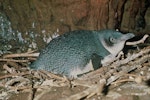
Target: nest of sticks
(16, 76)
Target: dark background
(32, 23)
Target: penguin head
(113, 41)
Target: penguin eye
(112, 40)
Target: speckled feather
(72, 50)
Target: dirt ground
(128, 91)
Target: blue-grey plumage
(78, 52)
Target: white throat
(115, 49)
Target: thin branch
(14, 75)
(21, 55)
(139, 41)
(12, 60)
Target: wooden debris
(15, 75)
(10, 70)
(139, 41)
(19, 80)
(21, 55)
(12, 60)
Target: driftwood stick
(21, 55)
(14, 65)
(139, 41)
(10, 70)
(51, 75)
(14, 75)
(12, 60)
(21, 80)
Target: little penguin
(80, 51)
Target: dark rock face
(67, 15)
(37, 19)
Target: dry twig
(21, 55)
(139, 41)
(14, 75)
(12, 60)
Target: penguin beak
(127, 36)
